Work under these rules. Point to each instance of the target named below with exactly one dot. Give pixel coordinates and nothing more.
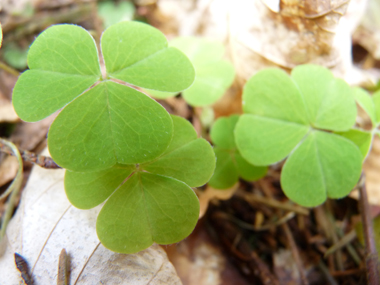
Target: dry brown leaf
(211, 193)
(45, 223)
(8, 169)
(258, 38)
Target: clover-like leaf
(149, 202)
(213, 74)
(287, 116)
(107, 123)
(230, 165)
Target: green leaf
(376, 101)
(147, 208)
(226, 173)
(160, 94)
(248, 171)
(323, 165)
(222, 132)
(364, 99)
(329, 101)
(112, 12)
(230, 164)
(86, 191)
(271, 93)
(213, 74)
(111, 123)
(188, 158)
(264, 141)
(139, 54)
(362, 139)
(15, 56)
(288, 115)
(63, 63)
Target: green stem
(9, 69)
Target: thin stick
(40, 160)
(9, 69)
(250, 198)
(371, 256)
(13, 189)
(295, 253)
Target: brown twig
(40, 160)
(295, 253)
(371, 257)
(251, 198)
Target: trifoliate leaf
(229, 163)
(323, 165)
(362, 139)
(108, 123)
(150, 202)
(139, 54)
(288, 115)
(113, 13)
(364, 99)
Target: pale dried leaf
(285, 268)
(8, 169)
(45, 223)
(211, 193)
(7, 113)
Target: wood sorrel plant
(295, 118)
(115, 142)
